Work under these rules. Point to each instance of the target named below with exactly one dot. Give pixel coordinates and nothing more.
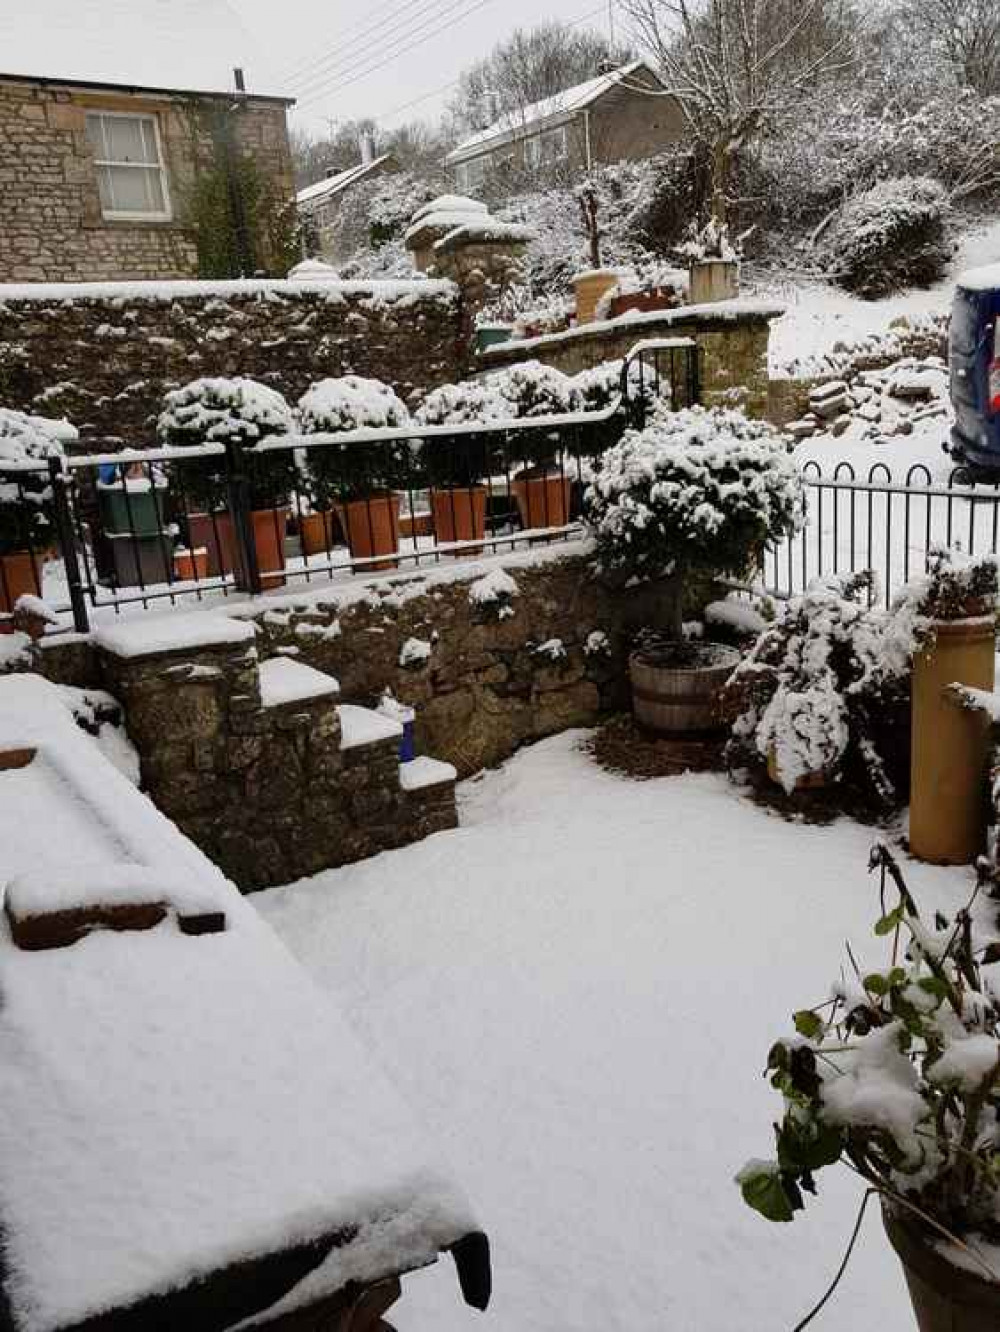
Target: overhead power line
(296, 68)
(409, 46)
(358, 48)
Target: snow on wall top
(274, 289)
(179, 45)
(145, 1077)
(552, 109)
(171, 632)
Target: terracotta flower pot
(318, 532)
(460, 515)
(213, 533)
(371, 526)
(268, 527)
(945, 1297)
(20, 575)
(191, 565)
(542, 501)
(678, 700)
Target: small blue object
(107, 473)
(407, 745)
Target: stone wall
(732, 338)
(51, 224)
(268, 792)
(485, 676)
(104, 355)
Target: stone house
(128, 156)
(622, 115)
(319, 204)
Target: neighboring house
(112, 124)
(624, 114)
(319, 204)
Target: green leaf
(933, 985)
(764, 1191)
(807, 1023)
(889, 921)
(876, 984)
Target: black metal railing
(880, 522)
(152, 526)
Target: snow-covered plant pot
(955, 605)
(242, 412)
(453, 467)
(357, 479)
(714, 271)
(540, 486)
(897, 1076)
(26, 532)
(690, 498)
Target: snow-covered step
(284, 681)
(422, 772)
(363, 726)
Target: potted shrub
(244, 412)
(541, 486)
(823, 694)
(26, 444)
(357, 478)
(691, 497)
(897, 1077)
(714, 272)
(454, 466)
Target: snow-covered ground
(577, 990)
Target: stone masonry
(732, 338)
(271, 793)
(104, 357)
(51, 226)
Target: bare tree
(967, 32)
(737, 68)
(531, 64)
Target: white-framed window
(471, 175)
(131, 174)
(546, 149)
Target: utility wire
(337, 86)
(295, 69)
(354, 50)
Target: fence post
(61, 481)
(238, 486)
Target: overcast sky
(345, 59)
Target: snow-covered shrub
(597, 388)
(820, 688)
(472, 402)
(896, 1075)
(694, 494)
(352, 470)
(26, 445)
(892, 236)
(533, 389)
(464, 459)
(221, 411)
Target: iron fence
(141, 527)
(884, 523)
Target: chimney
(238, 78)
(367, 151)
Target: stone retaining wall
(732, 338)
(104, 354)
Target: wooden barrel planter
(945, 1297)
(681, 700)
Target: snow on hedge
(893, 235)
(712, 483)
(351, 402)
(471, 403)
(27, 439)
(216, 409)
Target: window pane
(95, 133)
(104, 186)
(150, 152)
(154, 190)
(128, 185)
(124, 136)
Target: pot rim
(921, 1253)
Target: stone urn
(589, 288)
(945, 1297)
(713, 280)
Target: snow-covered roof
(172, 45)
(331, 185)
(175, 1104)
(550, 110)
